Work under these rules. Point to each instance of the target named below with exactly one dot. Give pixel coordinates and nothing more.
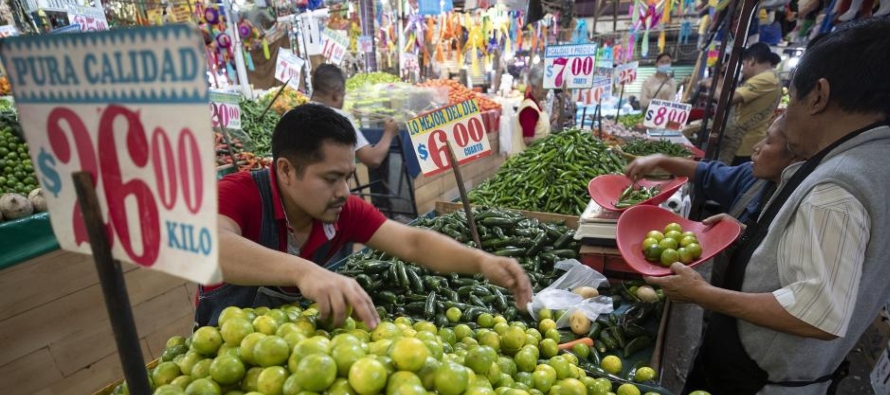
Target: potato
(579, 322)
(647, 294)
(586, 292)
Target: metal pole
(114, 288)
(702, 140)
(240, 68)
(366, 9)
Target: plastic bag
(558, 296)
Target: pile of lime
(16, 171)
(283, 352)
(672, 245)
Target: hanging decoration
(211, 22)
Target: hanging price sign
(225, 112)
(409, 62)
(626, 73)
(602, 90)
(288, 68)
(365, 45)
(8, 31)
(90, 19)
(666, 115)
(129, 107)
(333, 45)
(460, 124)
(571, 65)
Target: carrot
(584, 340)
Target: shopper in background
(754, 104)
(329, 88)
(809, 276)
(534, 122)
(661, 85)
(278, 228)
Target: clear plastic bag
(558, 296)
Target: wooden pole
(620, 97)
(113, 287)
(471, 221)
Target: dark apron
(211, 303)
(723, 366)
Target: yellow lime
(451, 379)
(572, 387)
(602, 386)
(404, 321)
(525, 360)
(590, 383)
(381, 347)
(462, 331)
(685, 255)
(571, 358)
(344, 338)
(398, 379)
(265, 324)
(427, 373)
(426, 326)
(500, 328)
(695, 250)
(544, 377)
(271, 380)
(316, 372)
(229, 313)
(409, 354)
(479, 390)
(687, 240)
(485, 320)
(206, 340)
(385, 330)
(653, 253)
(313, 345)
(549, 348)
(628, 389)
(561, 365)
(291, 386)
(469, 341)
(447, 335)
(673, 226)
(306, 326)
(367, 376)
(410, 389)
(226, 369)
(188, 361)
(644, 374)
(453, 314)
(387, 364)
(204, 386)
(491, 339)
(340, 387)
(546, 324)
(165, 373)
(669, 256)
(345, 355)
(249, 383)
(279, 316)
(270, 350)
(611, 364)
(202, 369)
(182, 382)
(668, 243)
(513, 339)
(168, 389)
(655, 235)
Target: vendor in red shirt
(279, 227)
(534, 122)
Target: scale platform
(597, 226)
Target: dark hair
(854, 60)
(662, 55)
(300, 133)
(327, 79)
(761, 53)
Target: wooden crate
(108, 389)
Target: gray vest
(859, 166)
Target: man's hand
(642, 166)
(333, 293)
(682, 286)
(507, 273)
(391, 127)
(714, 219)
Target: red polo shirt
(239, 199)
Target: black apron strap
(269, 228)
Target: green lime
(669, 256)
(653, 253)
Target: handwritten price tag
(288, 67)
(461, 124)
(139, 127)
(365, 45)
(8, 31)
(225, 112)
(666, 115)
(602, 90)
(626, 73)
(333, 45)
(569, 64)
(409, 62)
(90, 19)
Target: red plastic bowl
(697, 153)
(637, 221)
(606, 189)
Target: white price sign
(288, 68)
(333, 45)
(626, 73)
(365, 44)
(139, 128)
(460, 124)
(225, 112)
(90, 19)
(666, 115)
(602, 90)
(8, 31)
(571, 65)
(409, 62)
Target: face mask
(664, 69)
